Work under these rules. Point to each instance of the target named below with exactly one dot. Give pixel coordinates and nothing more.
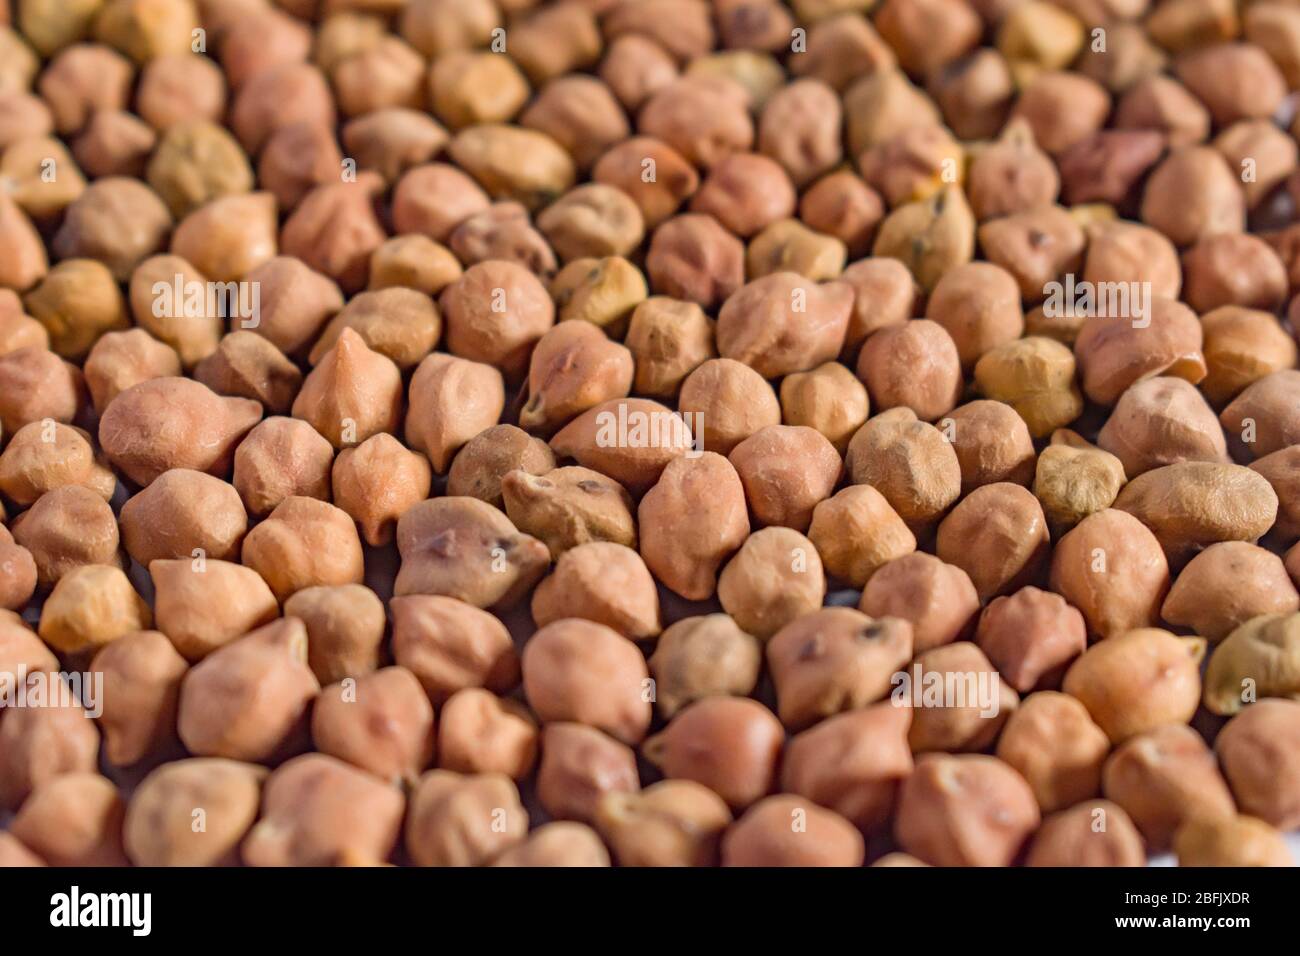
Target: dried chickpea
(1226, 585)
(915, 365)
(376, 482)
(573, 367)
(1257, 659)
(691, 257)
(74, 819)
(1035, 376)
(46, 455)
(671, 823)
(89, 607)
(303, 543)
(183, 514)
(204, 605)
(38, 744)
(998, 535)
(965, 810)
(1092, 833)
(1242, 346)
(381, 722)
(604, 582)
(579, 112)
(885, 294)
(1165, 778)
(668, 340)
(569, 506)
(578, 766)
(1264, 414)
(780, 492)
(65, 529)
(1256, 750)
(930, 236)
(1053, 743)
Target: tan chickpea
(304, 543)
(464, 548)
(318, 811)
(778, 491)
(841, 205)
(930, 236)
(579, 766)
(791, 831)
(671, 823)
(68, 528)
(891, 359)
(398, 323)
(1012, 175)
(668, 340)
(909, 462)
(583, 671)
(1242, 345)
(704, 118)
(885, 294)
(1062, 108)
(1052, 741)
(630, 440)
(557, 844)
(1035, 246)
(202, 606)
(628, 165)
(1230, 841)
(829, 399)
(314, 230)
(1031, 636)
(1092, 833)
(382, 723)
(1164, 778)
(413, 262)
(1263, 414)
(1171, 409)
(972, 719)
(692, 257)
(159, 825)
(46, 455)
(450, 645)
(701, 657)
(1281, 471)
(1226, 585)
(604, 582)
(790, 246)
(1074, 479)
(433, 199)
(1193, 195)
(998, 535)
(731, 400)
(181, 513)
(179, 87)
(42, 743)
(345, 626)
(800, 129)
(965, 810)
(376, 482)
(635, 67)
(1256, 659)
(280, 458)
(602, 292)
(857, 532)
(1234, 80)
(74, 819)
(869, 753)
(480, 467)
(834, 659)
(1257, 755)
(776, 577)
(570, 506)
(573, 367)
(91, 606)
(1035, 376)
(249, 700)
(579, 112)
(1137, 681)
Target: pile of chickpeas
(649, 432)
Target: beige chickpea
(494, 154)
(1031, 636)
(579, 112)
(117, 221)
(376, 482)
(827, 398)
(159, 826)
(229, 237)
(1256, 750)
(1234, 80)
(668, 340)
(573, 367)
(891, 359)
(579, 766)
(1036, 377)
(1281, 471)
(450, 645)
(1012, 175)
(628, 166)
(181, 513)
(413, 262)
(745, 192)
(202, 606)
(604, 582)
(46, 455)
(635, 67)
(1242, 345)
(1164, 778)
(670, 823)
(19, 583)
(569, 506)
(1054, 744)
(318, 811)
(495, 313)
(583, 671)
(1230, 841)
(783, 323)
(857, 532)
(630, 440)
(1137, 681)
(345, 626)
(1035, 246)
(972, 718)
(602, 292)
(1062, 108)
(834, 659)
(1091, 833)
(401, 324)
(434, 198)
(909, 462)
(178, 87)
(1226, 585)
(382, 722)
(557, 844)
(1256, 659)
(249, 700)
(273, 98)
(776, 577)
(334, 230)
(90, 607)
(354, 392)
(68, 528)
(965, 810)
(304, 543)
(731, 400)
(1120, 251)
(452, 399)
(767, 836)
(467, 549)
(780, 492)
(245, 365)
(78, 302)
(930, 236)
(692, 257)
(1193, 195)
(82, 79)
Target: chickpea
(790, 831)
(159, 826)
(1256, 751)
(579, 766)
(202, 606)
(1092, 833)
(1165, 778)
(671, 823)
(381, 722)
(965, 810)
(604, 582)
